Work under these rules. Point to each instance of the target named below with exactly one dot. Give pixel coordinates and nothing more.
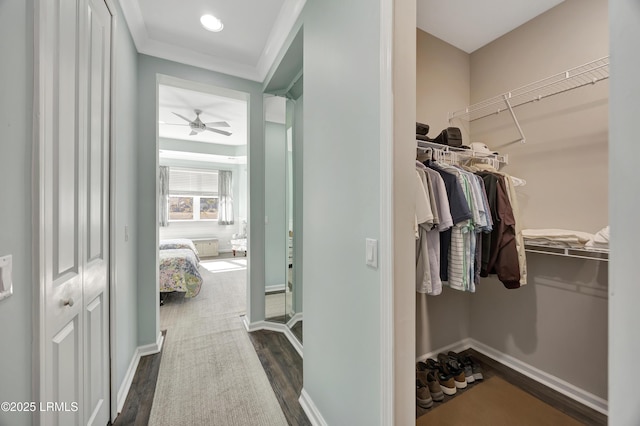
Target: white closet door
(74, 220)
(96, 241)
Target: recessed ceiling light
(211, 23)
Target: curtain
(163, 199)
(225, 198)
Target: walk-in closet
(537, 99)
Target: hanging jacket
(502, 256)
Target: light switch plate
(6, 285)
(372, 252)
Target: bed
(179, 271)
(179, 243)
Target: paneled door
(73, 230)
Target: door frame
(40, 66)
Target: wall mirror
(283, 190)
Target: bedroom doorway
(203, 192)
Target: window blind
(193, 182)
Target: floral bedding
(179, 272)
(179, 243)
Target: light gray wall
(624, 292)
(126, 195)
(298, 185)
(341, 202)
(564, 162)
(275, 255)
(443, 85)
(148, 69)
(16, 86)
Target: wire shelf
(589, 253)
(454, 155)
(583, 75)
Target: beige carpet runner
(495, 402)
(210, 373)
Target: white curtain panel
(225, 198)
(163, 199)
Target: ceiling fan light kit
(198, 126)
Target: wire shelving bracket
(583, 75)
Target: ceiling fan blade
(218, 124)
(222, 132)
(193, 133)
(174, 124)
(182, 116)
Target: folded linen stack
(600, 239)
(557, 237)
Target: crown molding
(285, 22)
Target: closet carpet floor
(506, 397)
(496, 402)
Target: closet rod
(583, 75)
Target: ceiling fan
(197, 126)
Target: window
(193, 195)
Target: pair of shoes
(427, 376)
(459, 362)
(444, 378)
(423, 396)
(453, 367)
(472, 370)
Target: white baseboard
(275, 288)
(586, 398)
(311, 410)
(296, 318)
(140, 351)
(274, 326)
(456, 347)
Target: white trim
(123, 391)
(113, 337)
(285, 21)
(273, 326)
(296, 318)
(311, 410)
(385, 255)
(140, 351)
(460, 346)
(37, 201)
(282, 27)
(549, 380)
(590, 400)
(276, 288)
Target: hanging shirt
(423, 206)
(424, 221)
(460, 214)
(433, 236)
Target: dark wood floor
(283, 366)
(557, 400)
(137, 407)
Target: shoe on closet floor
(446, 381)
(466, 366)
(453, 368)
(475, 367)
(429, 377)
(423, 396)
